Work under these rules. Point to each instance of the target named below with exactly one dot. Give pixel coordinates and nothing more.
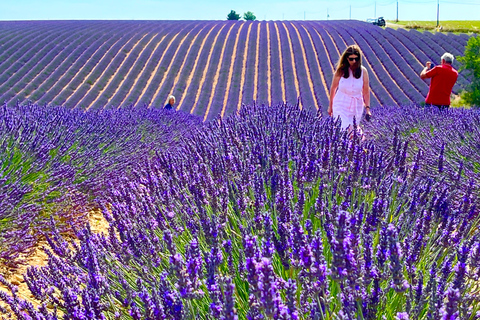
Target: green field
(465, 26)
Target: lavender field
(212, 67)
(229, 209)
(274, 213)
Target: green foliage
(471, 63)
(233, 15)
(249, 16)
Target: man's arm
(423, 74)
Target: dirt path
(394, 25)
(39, 258)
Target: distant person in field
(443, 77)
(350, 92)
(171, 102)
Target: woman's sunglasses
(354, 59)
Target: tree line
(235, 16)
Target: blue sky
(217, 10)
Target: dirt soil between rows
(39, 258)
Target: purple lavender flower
(449, 310)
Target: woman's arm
(333, 90)
(366, 90)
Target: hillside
(212, 67)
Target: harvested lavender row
(276, 213)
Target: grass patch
(457, 26)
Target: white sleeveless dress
(348, 101)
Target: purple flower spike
(449, 310)
(402, 316)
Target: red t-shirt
(443, 79)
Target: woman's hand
(368, 113)
(330, 111)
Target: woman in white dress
(350, 92)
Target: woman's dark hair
(343, 65)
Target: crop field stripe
(373, 73)
(217, 73)
(147, 75)
(182, 66)
(195, 65)
(81, 70)
(331, 65)
(207, 65)
(307, 69)
(294, 67)
(75, 48)
(166, 74)
(19, 42)
(128, 64)
(142, 71)
(230, 71)
(114, 74)
(242, 78)
(269, 67)
(157, 66)
(77, 67)
(322, 76)
(415, 65)
(107, 68)
(255, 82)
(394, 69)
(136, 70)
(74, 67)
(282, 78)
(107, 58)
(23, 76)
(37, 52)
(401, 61)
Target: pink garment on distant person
(348, 101)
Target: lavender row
(170, 60)
(235, 84)
(306, 95)
(34, 55)
(263, 94)
(314, 60)
(107, 71)
(249, 80)
(15, 48)
(79, 85)
(56, 95)
(180, 89)
(119, 72)
(190, 92)
(217, 96)
(277, 85)
(289, 75)
(57, 66)
(206, 94)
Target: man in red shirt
(443, 80)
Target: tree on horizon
(233, 15)
(249, 16)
